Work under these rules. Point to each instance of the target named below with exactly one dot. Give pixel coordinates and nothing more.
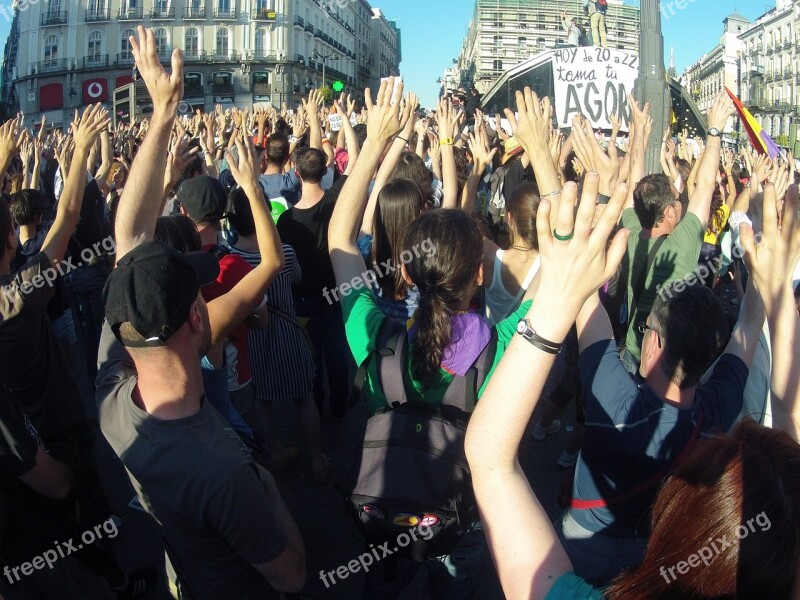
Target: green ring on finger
(564, 238)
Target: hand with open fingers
(351, 105)
(447, 120)
(313, 104)
(165, 90)
(408, 115)
(10, 138)
(780, 177)
(180, 155)
(383, 115)
(246, 168)
(556, 144)
(638, 115)
(762, 168)
(435, 150)
(532, 128)
(482, 155)
(576, 257)
(772, 260)
(720, 111)
(593, 158)
(88, 127)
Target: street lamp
(325, 57)
(651, 85)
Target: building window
(498, 65)
(222, 40)
(191, 46)
(96, 8)
(51, 51)
(162, 45)
(125, 44)
(93, 51)
(261, 43)
(223, 7)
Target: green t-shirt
(571, 587)
(363, 320)
(676, 259)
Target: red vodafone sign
(95, 90)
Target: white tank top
(499, 302)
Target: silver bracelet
(554, 193)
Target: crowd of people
(436, 268)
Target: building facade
(770, 71)
(505, 33)
(236, 52)
(384, 48)
(718, 69)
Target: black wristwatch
(714, 132)
(525, 330)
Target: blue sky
(433, 31)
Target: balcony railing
(93, 62)
(299, 22)
(57, 17)
(193, 56)
(220, 56)
(165, 56)
(132, 13)
(51, 65)
(300, 59)
(222, 88)
(194, 13)
(193, 91)
(309, 28)
(769, 49)
(228, 14)
(265, 55)
(167, 12)
(124, 58)
(787, 44)
(94, 15)
(265, 14)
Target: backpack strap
(642, 279)
(463, 391)
(650, 482)
(391, 333)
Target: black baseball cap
(152, 288)
(203, 198)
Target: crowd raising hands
(390, 265)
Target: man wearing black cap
(204, 200)
(226, 530)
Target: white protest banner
(594, 82)
(335, 121)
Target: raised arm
(86, 130)
(526, 550)
(383, 124)
(447, 120)
(387, 167)
(227, 311)
(642, 126)
(700, 199)
(349, 133)
(771, 263)
(140, 204)
(532, 130)
(482, 157)
(313, 105)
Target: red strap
(650, 482)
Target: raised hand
(88, 126)
(447, 119)
(720, 111)
(592, 156)
(532, 126)
(165, 90)
(383, 115)
(482, 155)
(245, 166)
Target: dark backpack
(411, 470)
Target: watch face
(522, 327)
(713, 131)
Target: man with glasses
(664, 244)
(639, 430)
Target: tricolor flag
(758, 137)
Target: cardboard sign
(335, 121)
(594, 82)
